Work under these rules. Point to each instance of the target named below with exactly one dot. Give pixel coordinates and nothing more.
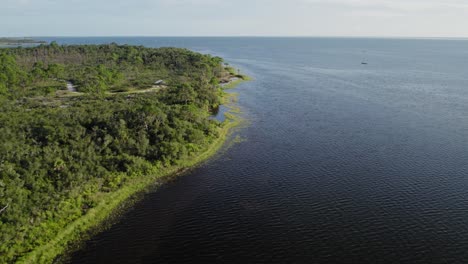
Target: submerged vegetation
(69, 158)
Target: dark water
(342, 162)
(219, 113)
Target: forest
(61, 150)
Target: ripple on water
(340, 165)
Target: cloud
(400, 5)
(240, 17)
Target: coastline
(111, 201)
(7, 42)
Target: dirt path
(71, 87)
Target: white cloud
(402, 5)
(239, 17)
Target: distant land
(20, 41)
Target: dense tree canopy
(98, 68)
(58, 152)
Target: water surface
(342, 162)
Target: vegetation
(67, 161)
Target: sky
(357, 18)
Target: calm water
(341, 163)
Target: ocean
(356, 151)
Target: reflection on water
(342, 163)
(219, 112)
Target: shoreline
(110, 203)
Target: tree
(56, 71)
(39, 71)
(59, 158)
(186, 93)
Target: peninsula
(20, 41)
(84, 127)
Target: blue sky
(389, 18)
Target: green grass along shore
(110, 202)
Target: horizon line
(238, 36)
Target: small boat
(364, 63)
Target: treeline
(56, 159)
(99, 68)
